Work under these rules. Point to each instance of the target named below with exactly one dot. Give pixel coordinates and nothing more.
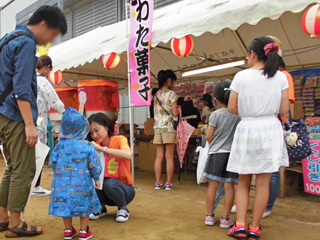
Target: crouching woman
(117, 187)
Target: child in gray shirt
(222, 126)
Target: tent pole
(60, 5)
(129, 93)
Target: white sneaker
(234, 209)
(122, 215)
(40, 191)
(265, 214)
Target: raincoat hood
(73, 125)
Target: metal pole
(60, 5)
(129, 93)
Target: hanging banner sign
(311, 169)
(141, 20)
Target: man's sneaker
(122, 215)
(169, 186)
(238, 231)
(84, 235)
(158, 186)
(234, 209)
(226, 223)
(210, 220)
(102, 212)
(40, 191)
(265, 214)
(254, 234)
(69, 234)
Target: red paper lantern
(182, 47)
(55, 77)
(311, 21)
(111, 60)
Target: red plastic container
(69, 96)
(101, 96)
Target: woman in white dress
(258, 95)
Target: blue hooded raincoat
(75, 162)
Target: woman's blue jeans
(115, 193)
(274, 190)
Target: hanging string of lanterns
(55, 77)
(182, 47)
(311, 21)
(111, 60)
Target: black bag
(175, 123)
(9, 88)
(297, 139)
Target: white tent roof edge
(193, 17)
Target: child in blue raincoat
(75, 163)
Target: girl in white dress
(258, 95)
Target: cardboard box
(197, 133)
(289, 182)
(124, 128)
(136, 149)
(147, 157)
(149, 126)
(298, 110)
(136, 155)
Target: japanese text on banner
(141, 19)
(311, 169)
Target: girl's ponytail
(272, 64)
(164, 75)
(227, 92)
(222, 91)
(161, 78)
(211, 106)
(267, 51)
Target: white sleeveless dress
(258, 145)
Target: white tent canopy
(223, 29)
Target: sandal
(4, 226)
(22, 232)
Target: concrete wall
(8, 15)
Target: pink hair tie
(269, 47)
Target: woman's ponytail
(39, 64)
(44, 61)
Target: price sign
(311, 169)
